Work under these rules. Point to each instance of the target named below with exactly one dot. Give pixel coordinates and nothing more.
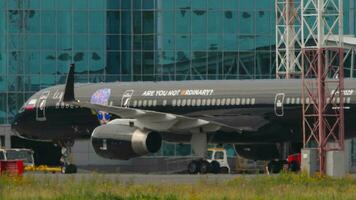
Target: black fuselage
(261, 111)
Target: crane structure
(309, 45)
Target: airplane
(131, 119)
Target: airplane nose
(15, 125)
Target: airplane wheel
(215, 167)
(69, 169)
(204, 167)
(193, 167)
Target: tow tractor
(18, 154)
(215, 162)
(27, 156)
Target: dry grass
(284, 186)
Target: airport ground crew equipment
(11, 167)
(215, 163)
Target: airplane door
(126, 98)
(41, 106)
(278, 104)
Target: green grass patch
(283, 186)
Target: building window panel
(64, 22)
(49, 62)
(199, 20)
(97, 22)
(182, 21)
(97, 61)
(80, 22)
(215, 21)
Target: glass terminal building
(134, 40)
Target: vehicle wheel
(193, 167)
(224, 170)
(69, 169)
(215, 167)
(294, 167)
(275, 167)
(204, 167)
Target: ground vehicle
(18, 154)
(215, 162)
(27, 156)
(244, 165)
(294, 162)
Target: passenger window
(208, 102)
(213, 102)
(288, 101)
(179, 101)
(139, 103)
(174, 102)
(243, 101)
(193, 102)
(292, 101)
(189, 102)
(203, 102)
(253, 101)
(223, 101)
(248, 101)
(233, 101)
(218, 102)
(307, 100)
(238, 101)
(155, 102)
(297, 101)
(149, 103)
(184, 102)
(228, 101)
(198, 102)
(144, 103)
(135, 103)
(348, 100)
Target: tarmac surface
(139, 178)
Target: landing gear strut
(199, 144)
(67, 167)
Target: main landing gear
(199, 144)
(67, 167)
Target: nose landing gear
(66, 159)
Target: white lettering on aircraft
(347, 92)
(179, 92)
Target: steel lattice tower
(288, 39)
(322, 76)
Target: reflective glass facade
(134, 40)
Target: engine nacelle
(122, 141)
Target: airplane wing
(157, 121)
(152, 120)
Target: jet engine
(124, 141)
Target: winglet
(69, 87)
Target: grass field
(284, 186)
